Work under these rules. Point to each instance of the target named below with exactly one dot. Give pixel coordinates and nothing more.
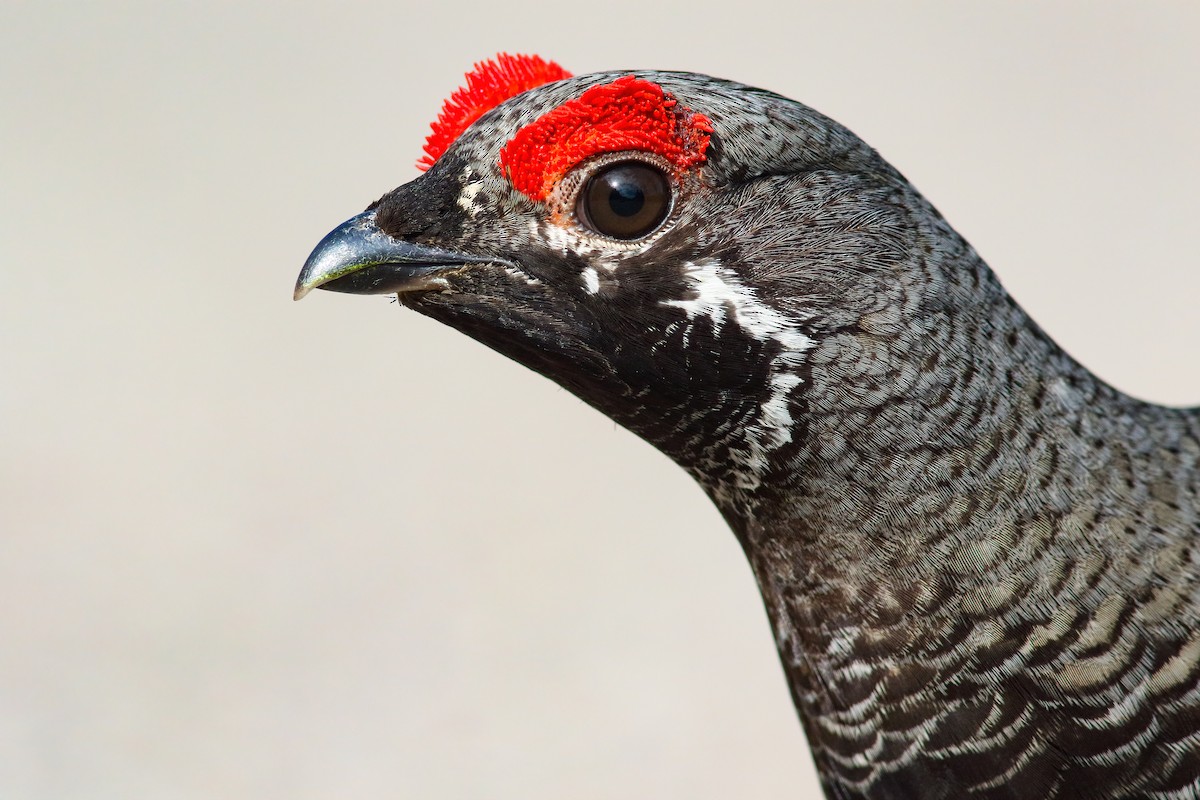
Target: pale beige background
(252, 549)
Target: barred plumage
(980, 562)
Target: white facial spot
(591, 280)
(528, 279)
(564, 239)
(466, 198)
(723, 298)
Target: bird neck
(951, 484)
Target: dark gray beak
(358, 258)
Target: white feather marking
(722, 297)
(591, 280)
(529, 279)
(466, 198)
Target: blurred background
(254, 549)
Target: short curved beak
(358, 258)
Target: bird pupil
(626, 199)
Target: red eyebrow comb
(628, 114)
(488, 85)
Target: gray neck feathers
(968, 507)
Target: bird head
(670, 247)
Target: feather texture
(981, 563)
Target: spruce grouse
(981, 563)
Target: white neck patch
(722, 298)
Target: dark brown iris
(626, 200)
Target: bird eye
(626, 200)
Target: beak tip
(335, 255)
